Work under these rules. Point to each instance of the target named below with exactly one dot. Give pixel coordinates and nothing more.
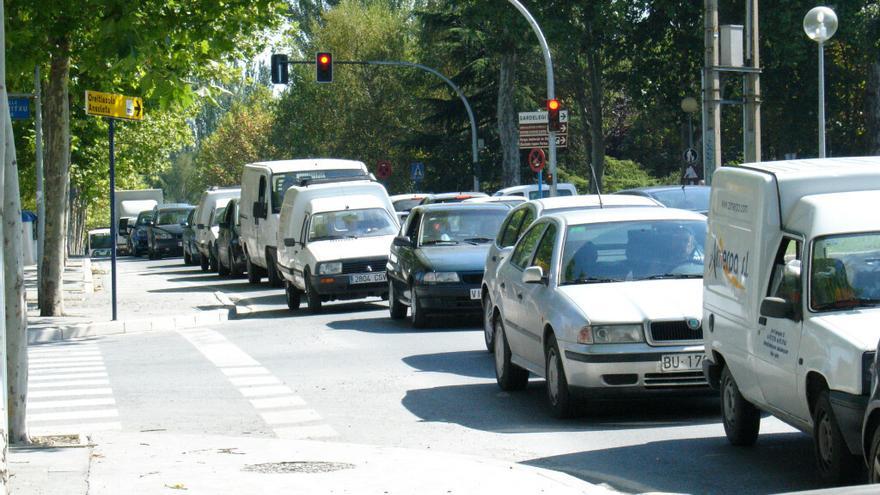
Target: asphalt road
(351, 374)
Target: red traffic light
(553, 104)
(553, 107)
(324, 63)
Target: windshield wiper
(326, 238)
(591, 280)
(429, 243)
(478, 240)
(662, 276)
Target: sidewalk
(87, 303)
(148, 463)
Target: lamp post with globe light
(820, 24)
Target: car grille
(672, 331)
(472, 278)
(360, 266)
(675, 380)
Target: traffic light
(279, 69)
(553, 107)
(324, 62)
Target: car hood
(638, 301)
(345, 249)
(858, 326)
(171, 229)
(457, 258)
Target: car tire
(558, 394)
(293, 295)
(186, 258)
(151, 254)
(312, 297)
(874, 457)
(488, 323)
(272, 271)
(253, 275)
(222, 269)
(234, 270)
(835, 463)
(203, 263)
(395, 307)
(419, 318)
(508, 375)
(741, 419)
(212, 261)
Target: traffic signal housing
(324, 63)
(279, 69)
(553, 108)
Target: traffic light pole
(467, 105)
(551, 91)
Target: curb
(237, 307)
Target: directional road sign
(533, 131)
(417, 171)
(19, 107)
(115, 106)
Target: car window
(526, 221)
(217, 215)
(544, 253)
(510, 229)
(456, 226)
(522, 253)
(844, 272)
(172, 217)
(412, 228)
(281, 182)
(368, 222)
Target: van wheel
(253, 274)
(212, 261)
(508, 375)
(742, 420)
(272, 271)
(234, 270)
(557, 385)
(419, 318)
(395, 307)
(294, 295)
(836, 464)
(203, 263)
(222, 269)
(312, 298)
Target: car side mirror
(289, 242)
(533, 275)
(123, 225)
(777, 307)
(402, 241)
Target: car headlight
(613, 334)
(440, 277)
(163, 235)
(331, 268)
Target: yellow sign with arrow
(113, 105)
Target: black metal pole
(113, 225)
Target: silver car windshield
(369, 222)
(633, 250)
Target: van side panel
(742, 209)
(250, 181)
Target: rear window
(545, 193)
(281, 182)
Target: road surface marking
(246, 371)
(277, 402)
(290, 416)
(55, 416)
(71, 392)
(63, 371)
(72, 376)
(69, 383)
(264, 391)
(55, 404)
(244, 381)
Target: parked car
(334, 240)
(451, 197)
(530, 191)
(436, 264)
(601, 303)
(137, 239)
(516, 223)
(230, 256)
(165, 231)
(205, 236)
(509, 200)
(212, 234)
(263, 186)
(191, 255)
(403, 203)
(871, 423)
(693, 198)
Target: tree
(151, 47)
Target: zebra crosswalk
(69, 391)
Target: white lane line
(73, 428)
(278, 402)
(71, 392)
(49, 366)
(55, 404)
(71, 355)
(71, 376)
(264, 390)
(69, 383)
(32, 361)
(56, 416)
(62, 371)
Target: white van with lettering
(791, 300)
(263, 186)
(333, 241)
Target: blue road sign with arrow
(417, 171)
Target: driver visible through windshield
(370, 222)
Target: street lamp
(689, 106)
(820, 24)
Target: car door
(521, 341)
(503, 244)
(401, 257)
(261, 222)
(775, 346)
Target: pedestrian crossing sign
(417, 171)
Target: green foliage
(619, 174)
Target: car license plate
(476, 294)
(691, 361)
(179, 244)
(367, 278)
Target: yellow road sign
(113, 105)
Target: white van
(791, 300)
(334, 240)
(211, 199)
(531, 191)
(263, 185)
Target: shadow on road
(477, 364)
(779, 462)
(384, 324)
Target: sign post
(113, 107)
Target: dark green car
(436, 264)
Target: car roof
(306, 164)
(448, 195)
(398, 197)
(818, 167)
(649, 189)
(495, 199)
(533, 187)
(591, 201)
(461, 206)
(624, 214)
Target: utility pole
(752, 88)
(38, 148)
(711, 94)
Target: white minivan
(530, 191)
(333, 241)
(263, 185)
(213, 198)
(791, 300)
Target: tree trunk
(16, 312)
(583, 105)
(597, 132)
(872, 107)
(57, 132)
(508, 123)
(4, 122)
